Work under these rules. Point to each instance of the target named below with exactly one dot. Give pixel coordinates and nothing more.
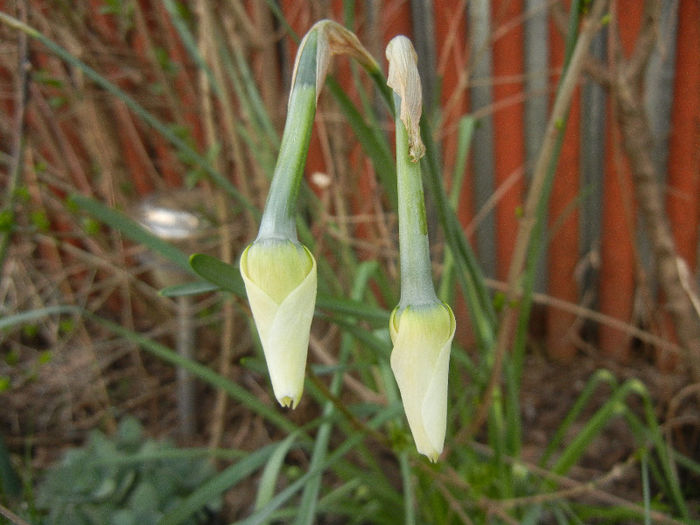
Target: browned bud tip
(405, 81)
(333, 39)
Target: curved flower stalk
(279, 273)
(421, 326)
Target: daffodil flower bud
(422, 338)
(422, 327)
(279, 272)
(280, 280)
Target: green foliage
(7, 221)
(124, 480)
(40, 220)
(10, 485)
(359, 464)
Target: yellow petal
(276, 266)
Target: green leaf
(268, 480)
(193, 288)
(132, 230)
(10, 484)
(224, 275)
(203, 372)
(21, 318)
(217, 485)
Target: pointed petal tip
(288, 402)
(433, 456)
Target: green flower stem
(416, 271)
(278, 220)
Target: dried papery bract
(333, 39)
(405, 81)
(421, 326)
(279, 272)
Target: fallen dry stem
(574, 488)
(517, 267)
(637, 140)
(12, 517)
(593, 315)
(15, 167)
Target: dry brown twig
(16, 156)
(561, 104)
(593, 315)
(627, 84)
(12, 517)
(570, 488)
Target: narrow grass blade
(224, 481)
(600, 377)
(10, 321)
(465, 133)
(332, 458)
(10, 484)
(134, 231)
(469, 273)
(224, 275)
(309, 500)
(646, 492)
(168, 454)
(409, 496)
(189, 42)
(268, 480)
(374, 145)
(194, 288)
(201, 371)
(613, 407)
(467, 125)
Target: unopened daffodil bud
(279, 272)
(422, 338)
(422, 327)
(280, 280)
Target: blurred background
(616, 274)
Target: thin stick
(529, 220)
(185, 380)
(572, 488)
(593, 315)
(637, 141)
(19, 126)
(14, 518)
(207, 47)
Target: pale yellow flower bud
(422, 337)
(280, 280)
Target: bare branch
(637, 141)
(589, 27)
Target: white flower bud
(422, 337)
(280, 280)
